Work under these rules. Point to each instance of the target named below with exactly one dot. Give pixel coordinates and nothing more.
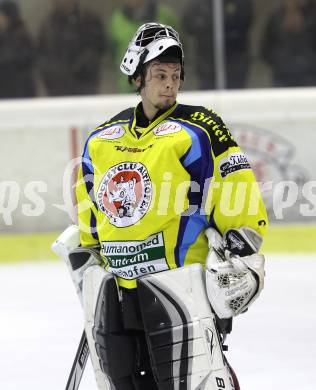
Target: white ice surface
(273, 346)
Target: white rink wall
(275, 128)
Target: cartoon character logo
(123, 196)
(125, 193)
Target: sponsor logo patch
(125, 193)
(167, 128)
(112, 132)
(131, 259)
(221, 133)
(232, 163)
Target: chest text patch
(131, 259)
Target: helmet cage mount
(149, 42)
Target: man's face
(162, 83)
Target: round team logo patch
(125, 193)
(167, 128)
(112, 132)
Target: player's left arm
(86, 205)
(238, 221)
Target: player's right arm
(78, 245)
(87, 210)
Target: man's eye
(161, 76)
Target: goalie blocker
(175, 330)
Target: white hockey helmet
(148, 43)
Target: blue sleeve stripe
(195, 151)
(87, 171)
(200, 150)
(190, 228)
(93, 226)
(87, 168)
(212, 222)
(182, 227)
(86, 162)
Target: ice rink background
(273, 346)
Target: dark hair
(142, 73)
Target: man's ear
(138, 81)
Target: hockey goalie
(170, 223)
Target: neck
(149, 111)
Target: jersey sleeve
(232, 198)
(87, 210)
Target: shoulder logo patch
(221, 137)
(125, 193)
(221, 132)
(112, 132)
(232, 163)
(167, 128)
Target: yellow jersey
(146, 192)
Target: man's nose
(170, 83)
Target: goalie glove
(234, 271)
(77, 258)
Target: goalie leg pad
(183, 341)
(112, 351)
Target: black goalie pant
(121, 341)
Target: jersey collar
(138, 119)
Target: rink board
(275, 128)
(36, 247)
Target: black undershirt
(141, 119)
